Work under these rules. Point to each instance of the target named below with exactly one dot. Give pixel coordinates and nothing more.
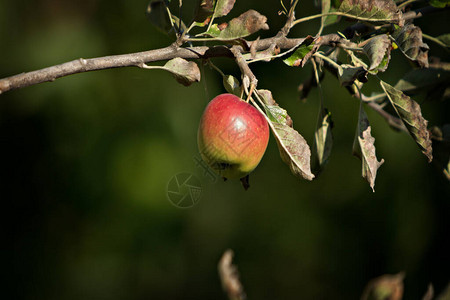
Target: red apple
(232, 136)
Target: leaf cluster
(355, 56)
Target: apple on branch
(232, 137)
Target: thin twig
(247, 73)
(390, 119)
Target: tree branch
(138, 59)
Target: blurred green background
(86, 161)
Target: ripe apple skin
(232, 136)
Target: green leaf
(378, 50)
(332, 19)
(347, 74)
(379, 11)
(231, 84)
(445, 39)
(440, 3)
(185, 72)
(294, 150)
(223, 7)
(297, 58)
(410, 113)
(424, 80)
(247, 23)
(409, 40)
(273, 110)
(323, 139)
(384, 287)
(364, 149)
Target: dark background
(86, 160)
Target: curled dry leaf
(229, 276)
(185, 72)
(384, 287)
(378, 50)
(323, 139)
(409, 40)
(347, 74)
(364, 149)
(429, 293)
(383, 11)
(410, 113)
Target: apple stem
(252, 88)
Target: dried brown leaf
(409, 40)
(364, 149)
(410, 113)
(386, 287)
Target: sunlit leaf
(409, 40)
(294, 150)
(323, 139)
(384, 11)
(297, 58)
(273, 110)
(378, 50)
(364, 149)
(384, 287)
(410, 113)
(247, 23)
(185, 72)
